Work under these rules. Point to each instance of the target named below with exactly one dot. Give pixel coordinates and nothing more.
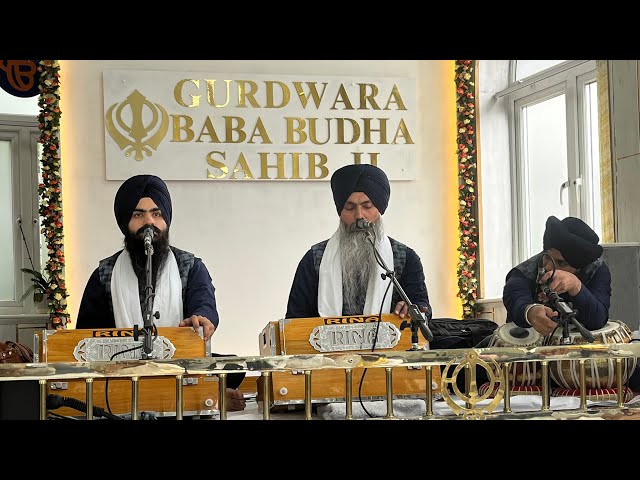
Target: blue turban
(365, 178)
(574, 239)
(135, 188)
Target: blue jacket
(198, 292)
(592, 301)
(303, 298)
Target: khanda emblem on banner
(20, 78)
(137, 137)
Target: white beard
(358, 264)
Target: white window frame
(570, 79)
(23, 132)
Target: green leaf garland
(467, 180)
(50, 190)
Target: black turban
(135, 188)
(577, 242)
(370, 180)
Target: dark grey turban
(135, 188)
(577, 242)
(370, 180)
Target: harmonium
(155, 394)
(349, 334)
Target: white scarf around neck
(126, 300)
(330, 280)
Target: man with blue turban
(114, 296)
(572, 266)
(340, 276)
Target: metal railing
(496, 360)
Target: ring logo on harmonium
(113, 333)
(353, 333)
(104, 344)
(340, 320)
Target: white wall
(251, 235)
(495, 175)
(18, 105)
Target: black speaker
(623, 260)
(19, 400)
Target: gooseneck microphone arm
(566, 313)
(418, 321)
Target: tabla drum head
(511, 335)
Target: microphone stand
(567, 315)
(565, 310)
(418, 321)
(148, 330)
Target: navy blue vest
(105, 270)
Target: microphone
(363, 224)
(148, 236)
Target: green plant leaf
(29, 290)
(35, 273)
(37, 278)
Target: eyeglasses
(560, 263)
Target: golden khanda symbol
(496, 386)
(137, 130)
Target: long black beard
(134, 243)
(358, 264)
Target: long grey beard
(358, 264)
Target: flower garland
(50, 190)
(467, 178)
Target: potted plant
(40, 285)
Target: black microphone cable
(373, 347)
(106, 385)
(56, 401)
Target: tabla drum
(599, 373)
(511, 335)
(595, 394)
(515, 390)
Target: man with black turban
(340, 276)
(579, 276)
(114, 296)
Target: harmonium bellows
(354, 334)
(156, 394)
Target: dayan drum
(511, 335)
(599, 373)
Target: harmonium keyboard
(155, 394)
(348, 334)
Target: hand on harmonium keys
(197, 321)
(402, 309)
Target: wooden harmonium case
(155, 394)
(349, 334)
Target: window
(527, 68)
(20, 238)
(548, 157)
